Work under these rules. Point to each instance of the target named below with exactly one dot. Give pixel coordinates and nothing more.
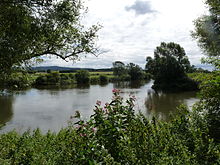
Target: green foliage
(169, 66)
(210, 103)
(103, 79)
(128, 72)
(82, 76)
(207, 29)
(135, 72)
(147, 76)
(207, 33)
(115, 135)
(119, 68)
(31, 29)
(169, 63)
(55, 78)
(16, 80)
(210, 100)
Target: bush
(41, 80)
(147, 76)
(94, 80)
(82, 76)
(16, 80)
(210, 103)
(64, 76)
(55, 78)
(71, 76)
(103, 79)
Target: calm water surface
(51, 108)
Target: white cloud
(130, 37)
(140, 7)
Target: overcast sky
(133, 28)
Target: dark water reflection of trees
(161, 104)
(6, 109)
(129, 84)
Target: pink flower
(98, 102)
(78, 126)
(115, 90)
(94, 129)
(85, 124)
(82, 134)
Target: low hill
(66, 69)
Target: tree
(82, 76)
(207, 29)
(119, 68)
(170, 62)
(169, 65)
(135, 71)
(207, 33)
(30, 29)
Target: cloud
(141, 7)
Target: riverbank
(22, 80)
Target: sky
(132, 29)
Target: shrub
(82, 76)
(94, 80)
(16, 80)
(103, 79)
(133, 139)
(71, 76)
(64, 77)
(147, 76)
(41, 80)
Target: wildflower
(82, 134)
(94, 129)
(115, 90)
(78, 126)
(85, 124)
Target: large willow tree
(30, 29)
(169, 67)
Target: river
(50, 108)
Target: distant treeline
(66, 69)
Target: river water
(50, 108)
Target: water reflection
(51, 107)
(6, 109)
(130, 84)
(162, 104)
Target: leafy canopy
(207, 29)
(130, 71)
(119, 68)
(30, 29)
(169, 63)
(135, 71)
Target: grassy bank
(19, 80)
